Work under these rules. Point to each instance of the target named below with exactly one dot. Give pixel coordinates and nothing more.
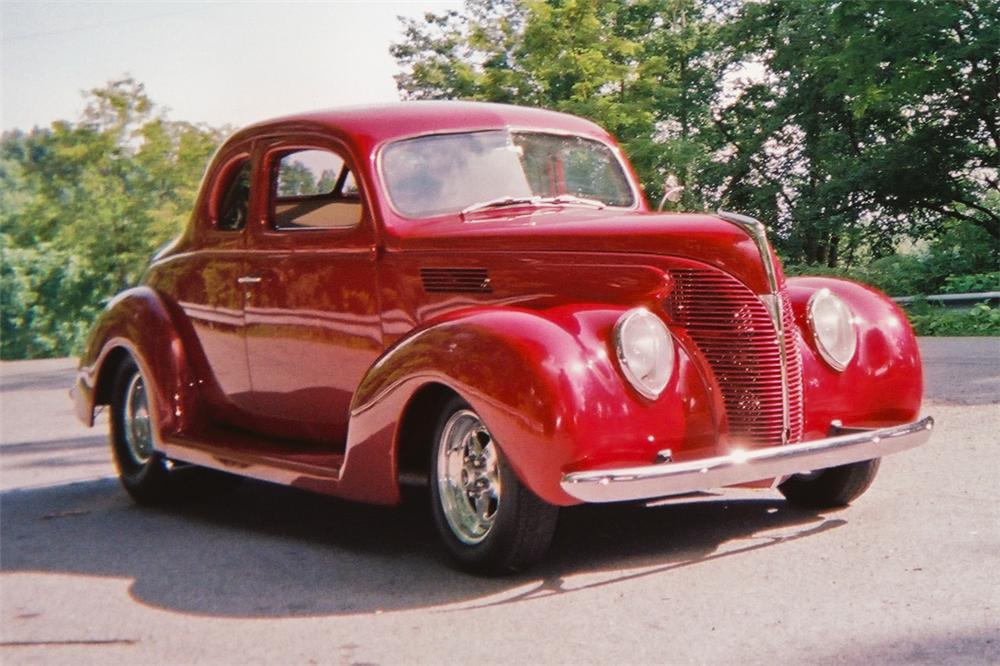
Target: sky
(218, 63)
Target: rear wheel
(141, 468)
(833, 487)
(489, 521)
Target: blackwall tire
(829, 488)
(490, 523)
(141, 469)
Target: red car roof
(386, 122)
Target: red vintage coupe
(478, 297)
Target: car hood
(700, 237)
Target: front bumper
(665, 479)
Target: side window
(314, 189)
(234, 199)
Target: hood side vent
(456, 280)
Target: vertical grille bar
(794, 370)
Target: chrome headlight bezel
(832, 324)
(660, 353)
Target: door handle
(248, 279)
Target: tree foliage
(848, 126)
(82, 208)
(879, 120)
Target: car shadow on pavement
(251, 549)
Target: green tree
(296, 179)
(327, 181)
(83, 207)
(872, 121)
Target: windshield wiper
(500, 202)
(560, 200)
(573, 200)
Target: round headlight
(833, 327)
(645, 351)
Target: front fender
(882, 385)
(137, 322)
(544, 382)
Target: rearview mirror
(672, 190)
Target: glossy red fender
(138, 322)
(883, 385)
(545, 383)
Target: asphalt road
(262, 574)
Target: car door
(312, 312)
(207, 283)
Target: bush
(971, 284)
(927, 319)
(963, 259)
(896, 275)
(961, 249)
(899, 275)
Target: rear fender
(137, 322)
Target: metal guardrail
(953, 300)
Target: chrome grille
(735, 332)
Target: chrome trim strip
(742, 466)
(758, 233)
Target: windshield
(449, 173)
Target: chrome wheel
(489, 521)
(138, 431)
(141, 468)
(468, 477)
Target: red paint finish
(883, 385)
(294, 355)
(312, 321)
(545, 384)
(140, 323)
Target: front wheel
(141, 468)
(833, 487)
(489, 521)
